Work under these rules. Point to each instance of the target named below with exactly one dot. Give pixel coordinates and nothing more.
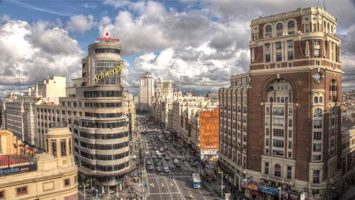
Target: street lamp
(221, 172)
(84, 185)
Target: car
(159, 156)
(161, 149)
(150, 167)
(149, 162)
(167, 158)
(166, 169)
(158, 169)
(154, 156)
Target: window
(317, 135)
(278, 132)
(268, 30)
(277, 170)
(290, 133)
(317, 124)
(289, 172)
(278, 122)
(290, 43)
(54, 147)
(291, 25)
(317, 147)
(316, 176)
(278, 57)
(70, 146)
(289, 154)
(316, 53)
(278, 143)
(290, 144)
(278, 45)
(266, 170)
(307, 28)
(107, 50)
(21, 191)
(290, 122)
(317, 157)
(66, 182)
(290, 55)
(277, 153)
(278, 111)
(267, 58)
(279, 28)
(63, 147)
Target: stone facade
(36, 174)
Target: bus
(196, 181)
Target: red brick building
(280, 122)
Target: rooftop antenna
(325, 8)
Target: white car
(166, 170)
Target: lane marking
(202, 194)
(167, 187)
(182, 194)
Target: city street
(175, 184)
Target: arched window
(315, 99)
(268, 31)
(277, 170)
(291, 24)
(320, 99)
(279, 26)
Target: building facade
(19, 108)
(26, 173)
(19, 117)
(280, 123)
(348, 153)
(146, 91)
(97, 110)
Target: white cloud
(80, 23)
(31, 53)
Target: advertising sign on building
(269, 190)
(250, 185)
(209, 129)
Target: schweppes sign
(110, 72)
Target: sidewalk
(349, 194)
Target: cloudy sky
(198, 44)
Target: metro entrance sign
(107, 38)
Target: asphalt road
(175, 185)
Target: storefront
(251, 189)
(269, 193)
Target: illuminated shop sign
(14, 170)
(269, 190)
(250, 185)
(107, 38)
(110, 72)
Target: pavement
(349, 193)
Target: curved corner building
(101, 131)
